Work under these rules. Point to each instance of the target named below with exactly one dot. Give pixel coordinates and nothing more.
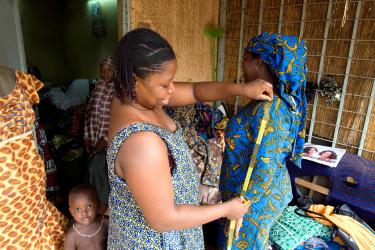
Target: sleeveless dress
(27, 219)
(128, 228)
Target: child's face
(106, 72)
(83, 208)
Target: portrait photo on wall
(324, 155)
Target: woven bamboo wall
(361, 75)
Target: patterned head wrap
(286, 57)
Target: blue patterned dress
(128, 228)
(270, 188)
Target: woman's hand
(258, 90)
(236, 209)
(236, 229)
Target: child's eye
(90, 206)
(77, 210)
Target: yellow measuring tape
(263, 124)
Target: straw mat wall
(361, 75)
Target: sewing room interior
(170, 124)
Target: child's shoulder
(70, 241)
(69, 227)
(70, 232)
(106, 219)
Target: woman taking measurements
(154, 184)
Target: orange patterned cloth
(27, 219)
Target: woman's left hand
(258, 90)
(236, 230)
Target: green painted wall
(58, 37)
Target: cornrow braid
(140, 53)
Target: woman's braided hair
(140, 53)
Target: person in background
(279, 59)
(96, 129)
(89, 229)
(97, 116)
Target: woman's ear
(135, 79)
(258, 63)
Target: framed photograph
(324, 155)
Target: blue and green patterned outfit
(270, 189)
(128, 228)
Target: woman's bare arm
(143, 163)
(190, 93)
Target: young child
(89, 229)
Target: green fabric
(292, 229)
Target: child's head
(106, 69)
(83, 204)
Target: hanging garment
(207, 154)
(44, 152)
(27, 219)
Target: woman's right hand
(236, 208)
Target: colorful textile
(207, 154)
(27, 219)
(286, 56)
(203, 120)
(269, 190)
(292, 229)
(219, 118)
(128, 228)
(98, 112)
(314, 243)
(362, 235)
(45, 153)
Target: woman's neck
(266, 76)
(269, 78)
